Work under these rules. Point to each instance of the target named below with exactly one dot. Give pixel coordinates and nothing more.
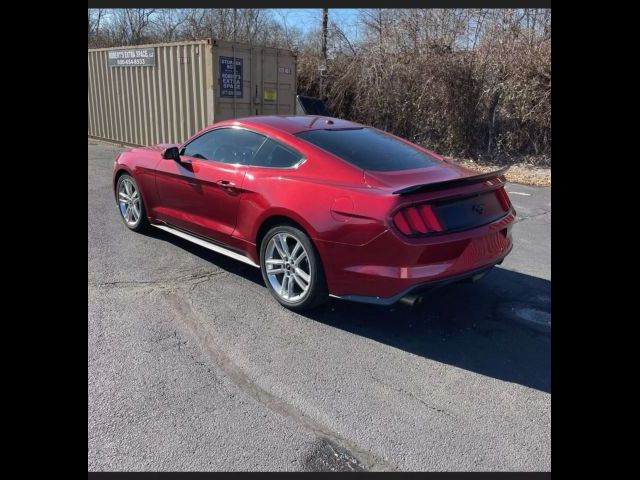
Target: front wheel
(291, 268)
(130, 203)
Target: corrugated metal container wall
(145, 105)
(176, 95)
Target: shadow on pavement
(465, 325)
(470, 326)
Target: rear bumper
(391, 267)
(421, 287)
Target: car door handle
(225, 184)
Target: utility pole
(323, 69)
(235, 10)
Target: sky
(307, 19)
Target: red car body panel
(346, 211)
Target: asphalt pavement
(193, 365)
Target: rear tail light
(453, 215)
(505, 203)
(417, 220)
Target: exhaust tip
(411, 300)
(477, 276)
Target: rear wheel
(130, 203)
(291, 268)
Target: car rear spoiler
(456, 182)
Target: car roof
(297, 123)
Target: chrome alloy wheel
(288, 267)
(129, 201)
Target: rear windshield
(369, 149)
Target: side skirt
(208, 245)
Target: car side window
(274, 154)
(226, 145)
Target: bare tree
(131, 25)
(167, 24)
(95, 17)
(291, 35)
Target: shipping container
(164, 93)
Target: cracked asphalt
(193, 366)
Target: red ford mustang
(322, 206)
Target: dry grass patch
(519, 173)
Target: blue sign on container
(230, 82)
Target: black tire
(317, 292)
(142, 222)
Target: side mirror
(171, 153)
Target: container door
(233, 90)
(253, 81)
(278, 82)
